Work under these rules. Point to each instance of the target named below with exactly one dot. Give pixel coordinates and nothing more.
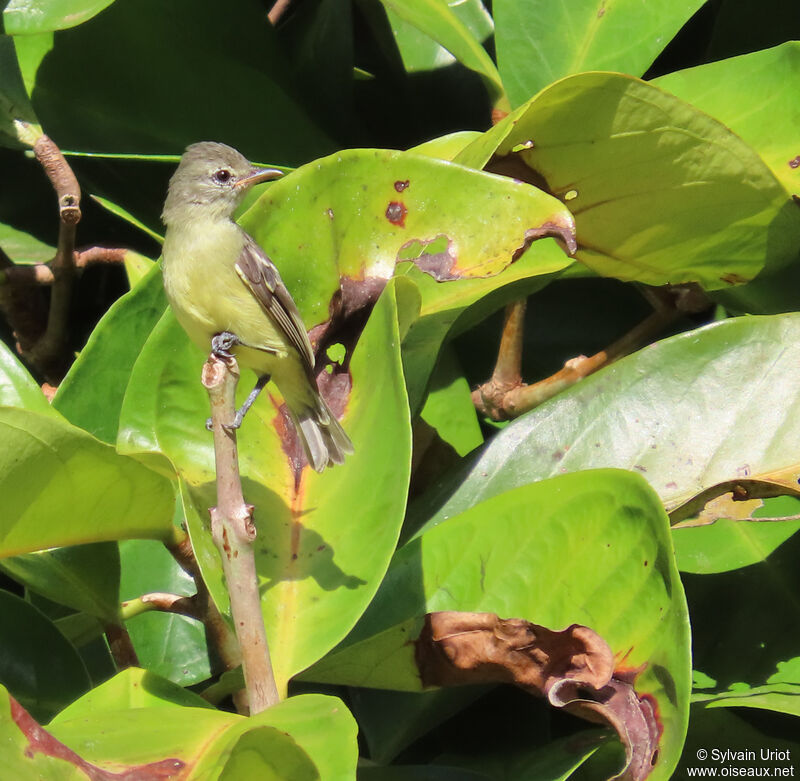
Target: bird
(227, 293)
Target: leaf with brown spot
(382, 202)
(661, 192)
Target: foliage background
(104, 464)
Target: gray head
(210, 181)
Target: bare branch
(233, 531)
(503, 402)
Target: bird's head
(210, 181)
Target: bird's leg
(248, 402)
(222, 343)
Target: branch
(502, 399)
(42, 273)
(233, 531)
(218, 632)
(48, 352)
(121, 646)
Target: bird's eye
(221, 176)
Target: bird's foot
(222, 344)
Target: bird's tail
(324, 440)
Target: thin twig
(503, 403)
(218, 632)
(42, 273)
(233, 532)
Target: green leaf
(661, 192)
(267, 753)
(506, 556)
(37, 664)
(437, 20)
(207, 739)
(123, 214)
(169, 645)
(539, 42)
(14, 103)
(753, 95)
(659, 412)
(25, 17)
(446, 147)
(779, 697)
(421, 51)
(318, 563)
(91, 394)
(83, 577)
(132, 688)
(455, 222)
(17, 387)
(766, 664)
(23, 248)
(141, 108)
(449, 408)
(61, 486)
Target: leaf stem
(233, 531)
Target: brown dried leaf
(455, 648)
(573, 668)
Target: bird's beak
(259, 175)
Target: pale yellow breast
(208, 296)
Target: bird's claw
(221, 345)
(229, 427)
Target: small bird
(227, 293)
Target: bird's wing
(258, 272)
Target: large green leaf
(132, 688)
(61, 486)
(38, 664)
(453, 32)
(319, 561)
(233, 56)
(106, 730)
(591, 548)
(754, 96)
(91, 394)
(83, 577)
(24, 17)
(539, 42)
(357, 214)
(689, 412)
(661, 192)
